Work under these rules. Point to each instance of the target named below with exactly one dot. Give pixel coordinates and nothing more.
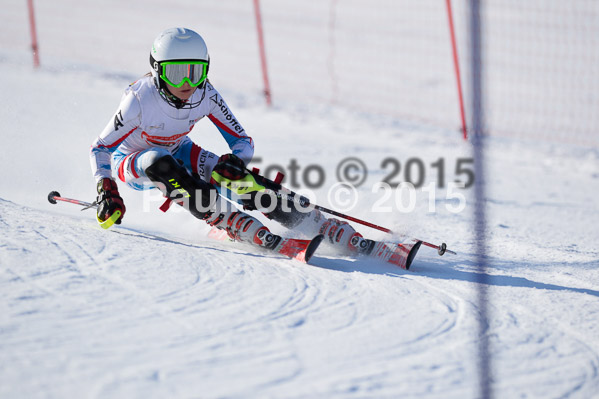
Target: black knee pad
(178, 185)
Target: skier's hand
(109, 200)
(231, 167)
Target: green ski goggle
(176, 73)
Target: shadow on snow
(444, 268)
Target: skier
(146, 145)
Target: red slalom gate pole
(262, 52)
(456, 65)
(34, 46)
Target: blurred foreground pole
(36, 56)
(262, 52)
(477, 125)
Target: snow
(153, 309)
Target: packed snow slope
(153, 309)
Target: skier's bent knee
(177, 184)
(153, 155)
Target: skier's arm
(239, 142)
(126, 119)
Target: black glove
(231, 167)
(109, 200)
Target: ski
(253, 181)
(298, 249)
(400, 255)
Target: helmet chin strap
(172, 99)
(175, 101)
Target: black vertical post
(476, 48)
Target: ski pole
(304, 202)
(441, 249)
(54, 196)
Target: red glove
(109, 200)
(231, 167)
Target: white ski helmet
(173, 46)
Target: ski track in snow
(93, 314)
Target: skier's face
(184, 92)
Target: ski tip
(412, 254)
(313, 246)
(51, 197)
